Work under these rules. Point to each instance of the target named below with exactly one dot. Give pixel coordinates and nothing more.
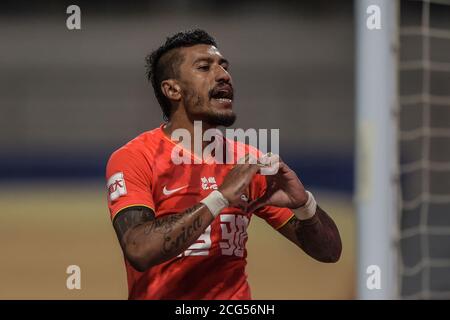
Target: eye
(203, 67)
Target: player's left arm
(311, 228)
(318, 236)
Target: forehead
(201, 51)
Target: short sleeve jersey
(142, 173)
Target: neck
(180, 120)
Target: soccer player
(182, 227)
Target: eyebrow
(210, 60)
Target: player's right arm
(147, 240)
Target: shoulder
(136, 150)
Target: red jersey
(142, 173)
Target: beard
(216, 118)
(195, 105)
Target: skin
(203, 70)
(147, 241)
(318, 236)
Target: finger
(269, 164)
(252, 158)
(243, 201)
(268, 158)
(243, 163)
(244, 160)
(255, 205)
(283, 166)
(285, 169)
(239, 167)
(250, 171)
(248, 168)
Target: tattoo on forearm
(147, 240)
(299, 225)
(171, 245)
(318, 236)
(164, 224)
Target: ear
(171, 89)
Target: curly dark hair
(164, 62)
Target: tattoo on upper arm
(130, 218)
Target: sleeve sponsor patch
(116, 186)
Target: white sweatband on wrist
(215, 202)
(308, 209)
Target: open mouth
(223, 94)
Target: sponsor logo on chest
(207, 183)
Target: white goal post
(403, 149)
(376, 85)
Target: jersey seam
(284, 223)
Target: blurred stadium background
(69, 98)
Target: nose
(222, 75)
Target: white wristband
(308, 209)
(215, 202)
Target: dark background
(69, 98)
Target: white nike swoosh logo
(169, 192)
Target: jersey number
(233, 237)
